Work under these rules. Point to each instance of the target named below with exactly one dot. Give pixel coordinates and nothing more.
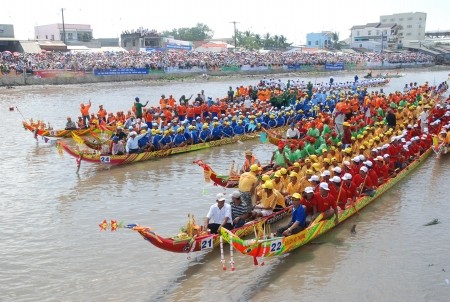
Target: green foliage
(197, 33)
(249, 40)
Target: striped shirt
(239, 210)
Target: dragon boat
(94, 156)
(276, 246)
(62, 132)
(194, 239)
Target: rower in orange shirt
(101, 114)
(171, 101)
(163, 102)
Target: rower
(325, 203)
(220, 215)
(269, 200)
(308, 202)
(364, 183)
(298, 220)
(349, 187)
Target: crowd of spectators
(88, 61)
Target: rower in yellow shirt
(270, 198)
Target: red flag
(103, 226)
(113, 225)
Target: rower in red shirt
(394, 151)
(372, 173)
(325, 203)
(308, 201)
(363, 184)
(381, 169)
(349, 187)
(341, 194)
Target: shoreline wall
(174, 74)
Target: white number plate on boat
(105, 159)
(207, 243)
(275, 246)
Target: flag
(113, 225)
(77, 138)
(103, 225)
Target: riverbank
(158, 78)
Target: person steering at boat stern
(298, 220)
(219, 215)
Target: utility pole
(235, 43)
(64, 29)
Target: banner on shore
(254, 68)
(336, 66)
(230, 69)
(120, 71)
(58, 73)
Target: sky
(291, 18)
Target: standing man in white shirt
(219, 215)
(424, 117)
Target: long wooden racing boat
(62, 133)
(183, 243)
(96, 157)
(275, 137)
(226, 181)
(276, 246)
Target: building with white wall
(374, 36)
(54, 32)
(411, 26)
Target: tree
(335, 40)
(199, 32)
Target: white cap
(324, 185)
(346, 163)
(347, 176)
(326, 173)
(362, 158)
(314, 178)
(309, 190)
(363, 168)
(356, 159)
(368, 163)
(385, 146)
(236, 194)
(220, 197)
(386, 156)
(337, 169)
(374, 150)
(336, 179)
(133, 133)
(393, 139)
